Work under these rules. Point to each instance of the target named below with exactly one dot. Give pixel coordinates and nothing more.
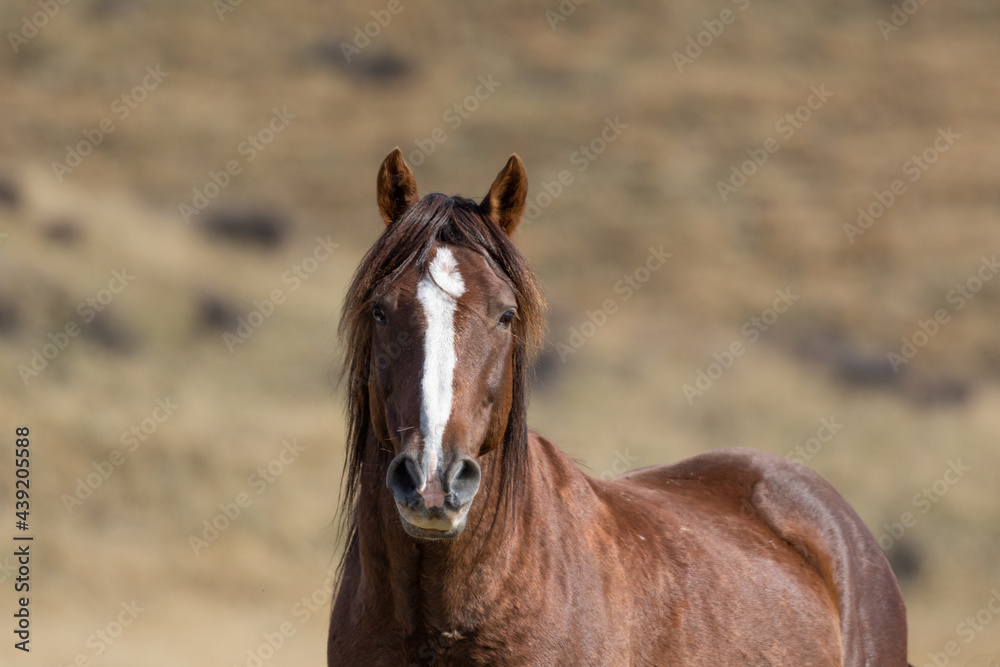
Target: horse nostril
(403, 477)
(463, 480)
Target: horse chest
(523, 637)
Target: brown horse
(471, 540)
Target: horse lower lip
(438, 522)
(421, 532)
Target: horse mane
(404, 246)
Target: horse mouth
(433, 524)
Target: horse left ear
(505, 201)
(396, 187)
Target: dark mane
(403, 246)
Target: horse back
(813, 519)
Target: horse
(472, 540)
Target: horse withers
(472, 540)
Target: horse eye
(506, 319)
(379, 315)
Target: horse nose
(409, 482)
(404, 478)
(461, 480)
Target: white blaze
(438, 292)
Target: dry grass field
(216, 168)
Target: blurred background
(187, 187)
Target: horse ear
(397, 188)
(505, 201)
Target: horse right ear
(505, 201)
(397, 188)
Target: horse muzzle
(433, 504)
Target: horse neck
(436, 584)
